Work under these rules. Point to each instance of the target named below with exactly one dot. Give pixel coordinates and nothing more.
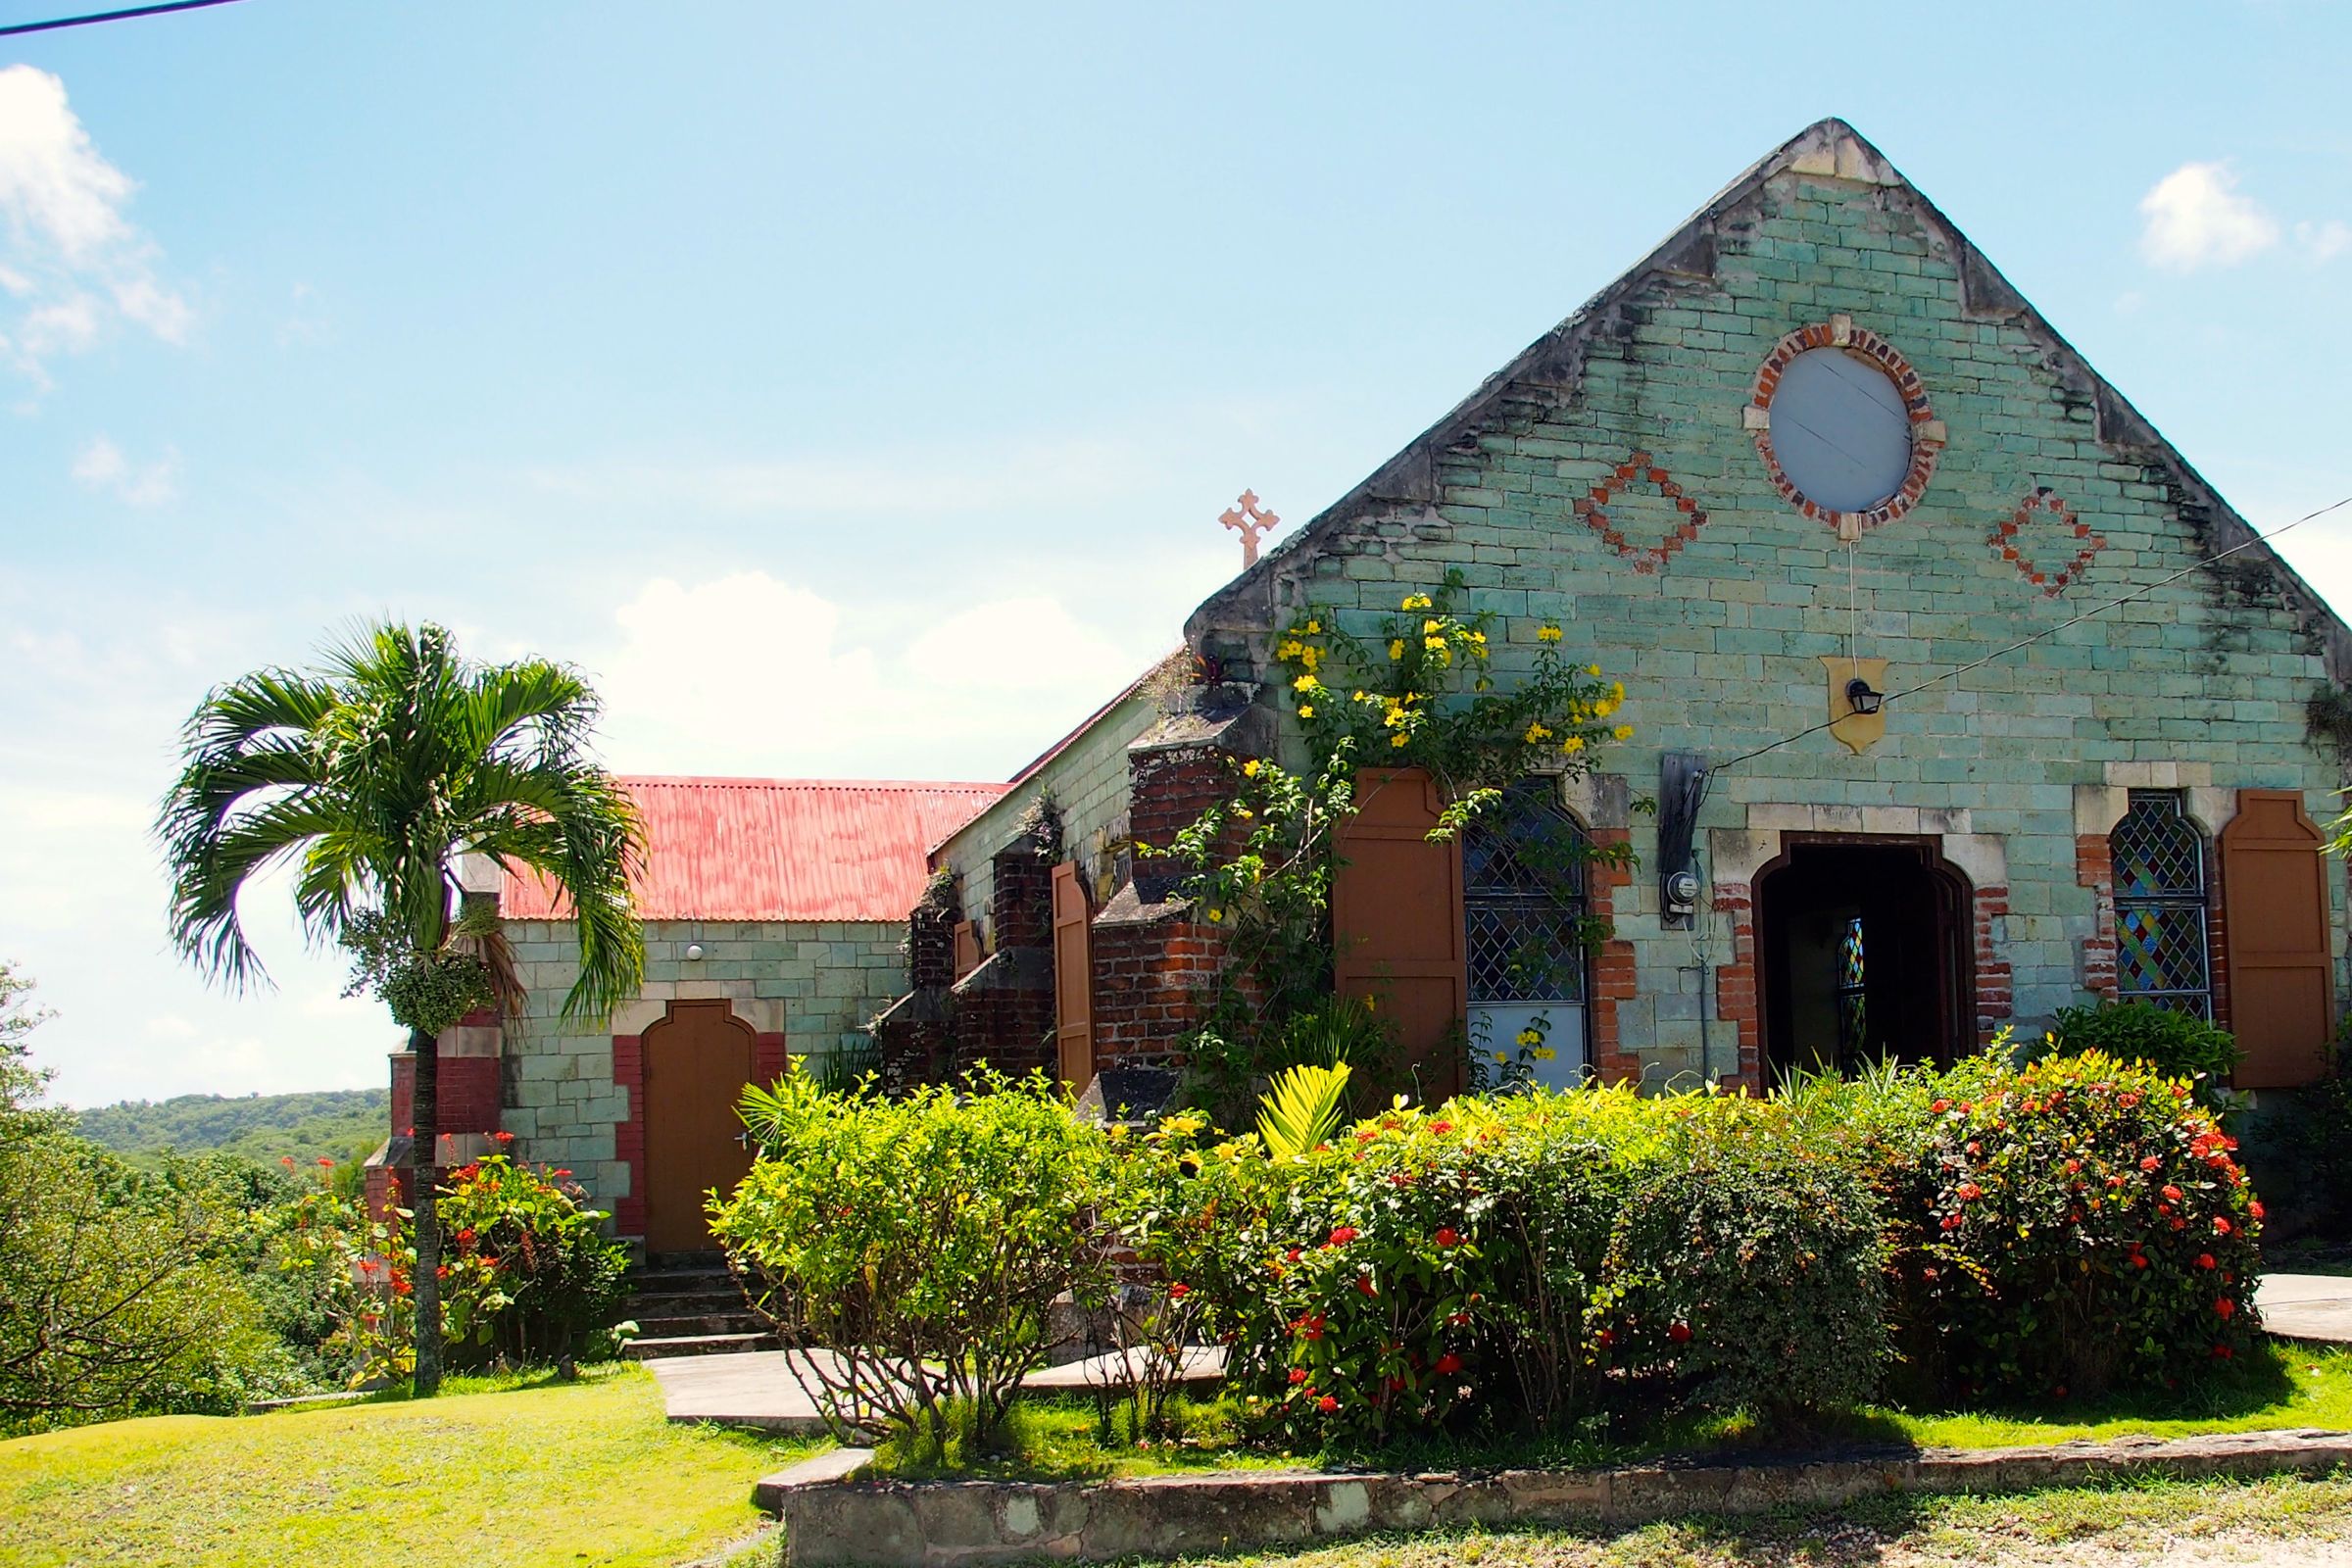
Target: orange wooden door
(1396, 923)
(697, 1061)
(2274, 895)
(1073, 978)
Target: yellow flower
(1251, 767)
(1502, 1056)
(1592, 671)
(1395, 647)
(1305, 684)
(1433, 644)
(1310, 656)
(1217, 915)
(1543, 1052)
(1398, 740)
(1528, 1037)
(1357, 697)
(1478, 637)
(1289, 650)
(1624, 732)
(1574, 742)
(1315, 628)
(1415, 602)
(1429, 626)
(1307, 710)
(1547, 634)
(1537, 732)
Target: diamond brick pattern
(2073, 534)
(1638, 469)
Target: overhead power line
(2026, 642)
(13, 28)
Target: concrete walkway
(2314, 1307)
(756, 1389)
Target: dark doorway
(1866, 955)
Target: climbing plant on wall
(1422, 693)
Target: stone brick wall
(1716, 599)
(568, 1098)
(1088, 782)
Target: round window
(1839, 430)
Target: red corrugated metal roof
(759, 849)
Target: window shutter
(2274, 889)
(967, 948)
(1396, 923)
(1073, 978)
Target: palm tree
(370, 776)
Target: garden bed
(835, 1515)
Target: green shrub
(1747, 1269)
(2086, 1227)
(539, 1277)
(2174, 1045)
(920, 1241)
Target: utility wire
(1998, 652)
(13, 28)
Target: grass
(523, 1471)
(2283, 1387)
(2133, 1521)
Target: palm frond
(1300, 1108)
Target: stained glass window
(2158, 857)
(1854, 999)
(1523, 898)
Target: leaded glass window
(1853, 994)
(1523, 898)
(2158, 857)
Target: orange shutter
(2275, 893)
(967, 949)
(1396, 923)
(1073, 978)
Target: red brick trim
(2088, 544)
(1927, 434)
(1636, 467)
(628, 1139)
(1615, 978)
(2094, 868)
(1736, 996)
(1997, 996)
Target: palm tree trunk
(425, 1181)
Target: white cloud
(102, 467)
(74, 261)
(749, 674)
(2195, 219)
(2325, 241)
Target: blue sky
(853, 391)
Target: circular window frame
(1928, 432)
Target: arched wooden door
(697, 1061)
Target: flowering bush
(2177, 1044)
(922, 1241)
(528, 1276)
(2086, 1226)
(529, 1258)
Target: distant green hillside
(334, 1123)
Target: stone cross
(1250, 520)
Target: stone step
(683, 1279)
(699, 1345)
(678, 1303)
(698, 1324)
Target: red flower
(1298, 1376)
(1291, 1256)
(1341, 1235)
(1967, 1192)
(1940, 1107)
(1447, 1364)
(2224, 1309)
(2205, 1260)
(1179, 1291)
(504, 1137)
(1604, 1338)
(1364, 1283)
(1440, 1126)
(2221, 1226)
(286, 1160)
(2150, 1163)
(2255, 1208)
(2172, 1193)
(561, 1170)
(2139, 1260)
(1678, 1333)
(1327, 1404)
(327, 1160)
(1447, 1236)
(1459, 1320)
(465, 1236)
(2221, 1352)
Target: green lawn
(587, 1475)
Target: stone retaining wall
(832, 1517)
